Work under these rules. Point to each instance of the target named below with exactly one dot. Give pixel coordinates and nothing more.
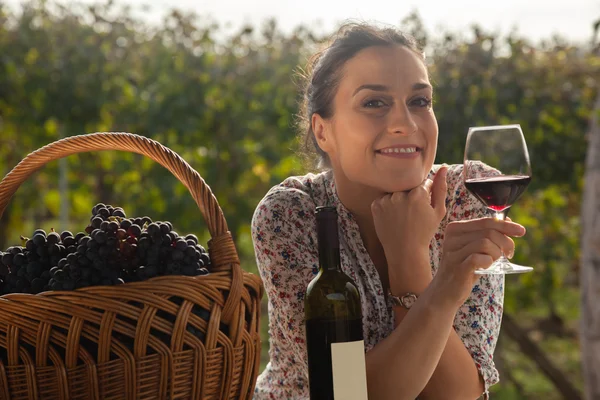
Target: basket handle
(203, 196)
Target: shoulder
(293, 199)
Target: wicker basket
(45, 339)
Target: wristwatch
(406, 301)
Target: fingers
(427, 185)
(439, 190)
(503, 242)
(508, 228)
(477, 261)
(483, 246)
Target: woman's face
(383, 132)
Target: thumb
(439, 189)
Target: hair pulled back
(324, 72)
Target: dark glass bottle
(333, 320)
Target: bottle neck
(329, 244)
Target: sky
(535, 19)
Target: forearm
(400, 366)
(455, 375)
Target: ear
(320, 127)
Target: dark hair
(324, 71)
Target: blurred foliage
(227, 104)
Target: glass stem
(501, 216)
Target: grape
(97, 207)
(42, 251)
(13, 250)
(65, 234)
(53, 238)
(181, 245)
(153, 229)
(192, 237)
(60, 275)
(37, 285)
(101, 237)
(7, 259)
(104, 213)
(204, 258)
(112, 242)
(29, 245)
(164, 228)
(134, 230)
(39, 240)
(96, 222)
(19, 260)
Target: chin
(403, 183)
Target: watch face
(409, 300)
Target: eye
(374, 104)
(421, 102)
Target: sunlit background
(217, 83)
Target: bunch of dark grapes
(163, 252)
(27, 269)
(116, 249)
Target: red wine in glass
(497, 171)
(498, 192)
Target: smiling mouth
(399, 150)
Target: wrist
(442, 296)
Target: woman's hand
(468, 246)
(405, 222)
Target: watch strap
(406, 300)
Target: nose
(401, 121)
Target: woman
(406, 226)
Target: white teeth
(400, 150)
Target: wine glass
(497, 172)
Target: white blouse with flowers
(285, 242)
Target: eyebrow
(383, 88)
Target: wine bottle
(334, 333)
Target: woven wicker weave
(117, 342)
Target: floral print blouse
(285, 243)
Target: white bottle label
(349, 370)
